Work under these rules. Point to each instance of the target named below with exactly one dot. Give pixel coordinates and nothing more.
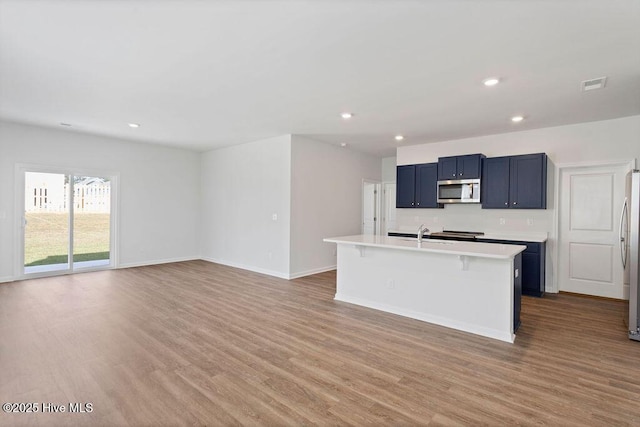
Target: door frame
(555, 247)
(19, 234)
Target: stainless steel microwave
(459, 191)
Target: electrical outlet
(391, 284)
(274, 217)
(529, 221)
(503, 221)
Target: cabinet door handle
(418, 203)
(411, 203)
(515, 203)
(506, 203)
(461, 174)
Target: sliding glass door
(46, 222)
(91, 221)
(67, 222)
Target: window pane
(91, 221)
(46, 236)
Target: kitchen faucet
(421, 230)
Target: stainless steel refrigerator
(629, 242)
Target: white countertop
(476, 249)
(518, 237)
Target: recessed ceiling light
(399, 137)
(517, 119)
(134, 125)
(65, 124)
(346, 115)
(491, 81)
(343, 144)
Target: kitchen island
(469, 286)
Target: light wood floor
(198, 343)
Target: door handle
(623, 243)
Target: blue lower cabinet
(533, 265)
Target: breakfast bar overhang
(469, 286)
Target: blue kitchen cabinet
(460, 167)
(495, 183)
(405, 186)
(528, 181)
(515, 182)
(416, 186)
(533, 265)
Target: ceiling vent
(593, 84)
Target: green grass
(47, 238)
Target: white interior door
(370, 207)
(590, 202)
(389, 208)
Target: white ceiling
(205, 74)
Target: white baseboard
(155, 262)
(310, 272)
(214, 260)
(247, 267)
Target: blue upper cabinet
(427, 185)
(469, 166)
(405, 186)
(416, 186)
(515, 182)
(495, 183)
(528, 182)
(460, 167)
(447, 168)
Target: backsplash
(474, 218)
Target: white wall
(326, 200)
(609, 140)
(243, 186)
(159, 190)
(616, 139)
(389, 169)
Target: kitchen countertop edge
(474, 249)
